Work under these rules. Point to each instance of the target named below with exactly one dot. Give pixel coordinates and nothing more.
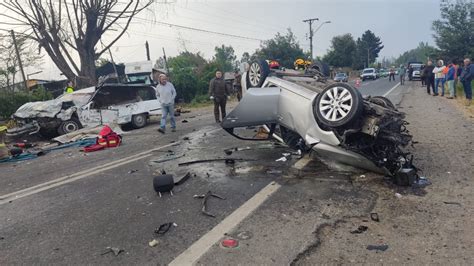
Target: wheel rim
(70, 127)
(255, 74)
(335, 104)
(139, 120)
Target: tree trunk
(87, 76)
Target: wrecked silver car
(306, 111)
(106, 104)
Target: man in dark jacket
(429, 76)
(467, 75)
(219, 93)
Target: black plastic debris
(230, 161)
(377, 247)
(186, 138)
(374, 217)
(205, 198)
(183, 179)
(185, 121)
(228, 152)
(213, 160)
(132, 171)
(116, 251)
(452, 203)
(360, 229)
(163, 229)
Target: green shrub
(11, 101)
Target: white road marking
(301, 163)
(394, 87)
(191, 255)
(79, 175)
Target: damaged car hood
(52, 107)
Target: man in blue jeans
(166, 93)
(467, 75)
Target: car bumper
(26, 129)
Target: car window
(117, 95)
(146, 94)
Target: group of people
(219, 93)
(438, 76)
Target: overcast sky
(401, 25)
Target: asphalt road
(68, 207)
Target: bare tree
(9, 62)
(69, 29)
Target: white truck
(139, 72)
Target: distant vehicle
(368, 73)
(417, 68)
(341, 77)
(273, 64)
(383, 73)
(139, 72)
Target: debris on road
(421, 182)
(205, 197)
(228, 152)
(360, 229)
(229, 243)
(452, 203)
(163, 183)
(282, 159)
(374, 217)
(184, 121)
(153, 243)
(183, 179)
(213, 160)
(164, 228)
(116, 251)
(244, 235)
(132, 171)
(398, 195)
(377, 247)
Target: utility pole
(19, 60)
(115, 68)
(368, 56)
(147, 47)
(166, 62)
(310, 22)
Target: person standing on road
(450, 80)
(401, 72)
(439, 77)
(69, 88)
(218, 92)
(429, 76)
(467, 75)
(166, 93)
(237, 84)
(391, 75)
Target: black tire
(163, 183)
(257, 73)
(69, 126)
(139, 121)
(321, 67)
(339, 113)
(380, 100)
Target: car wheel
(257, 73)
(339, 105)
(69, 126)
(380, 100)
(139, 121)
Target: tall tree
(9, 62)
(225, 57)
(419, 54)
(368, 47)
(341, 53)
(69, 29)
(283, 48)
(454, 32)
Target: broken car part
(377, 247)
(163, 229)
(228, 161)
(163, 183)
(116, 251)
(205, 197)
(333, 119)
(360, 229)
(374, 217)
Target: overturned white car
(307, 111)
(106, 104)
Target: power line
(201, 30)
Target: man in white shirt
(166, 93)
